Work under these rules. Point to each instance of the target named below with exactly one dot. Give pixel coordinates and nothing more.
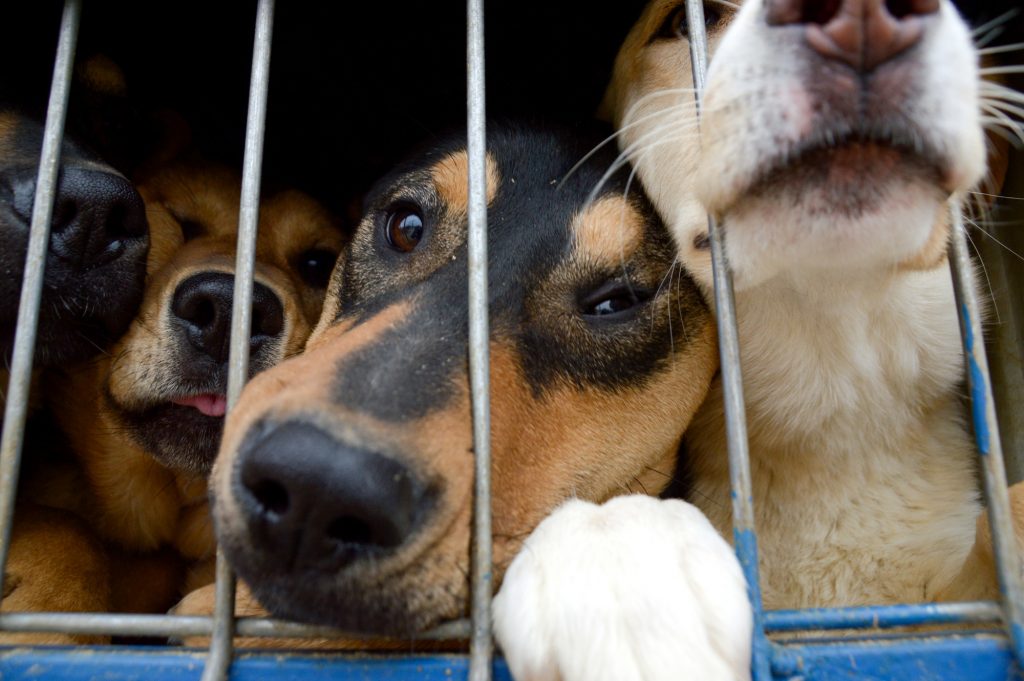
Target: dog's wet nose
(861, 33)
(202, 304)
(311, 501)
(97, 215)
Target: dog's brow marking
(608, 230)
(451, 178)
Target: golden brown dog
(344, 484)
(143, 422)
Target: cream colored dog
(834, 137)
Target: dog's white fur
(683, 612)
(863, 471)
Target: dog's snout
(860, 33)
(203, 304)
(309, 500)
(97, 215)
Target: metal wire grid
(223, 625)
(768, 656)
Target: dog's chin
(180, 437)
(326, 599)
(848, 180)
(834, 212)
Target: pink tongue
(209, 404)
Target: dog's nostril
(117, 220)
(64, 213)
(271, 495)
(203, 312)
(901, 9)
(267, 313)
(820, 11)
(350, 530)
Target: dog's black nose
(311, 501)
(97, 215)
(202, 304)
(861, 33)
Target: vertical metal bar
(744, 533)
(481, 646)
(16, 407)
(241, 312)
(986, 435)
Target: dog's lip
(836, 148)
(208, 404)
(849, 157)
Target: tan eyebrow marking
(608, 230)
(451, 178)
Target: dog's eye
(614, 301)
(404, 228)
(190, 229)
(315, 266)
(675, 25)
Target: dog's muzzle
(310, 502)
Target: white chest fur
(863, 474)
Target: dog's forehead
(545, 196)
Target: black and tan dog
(144, 422)
(96, 260)
(344, 483)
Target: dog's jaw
(766, 104)
(850, 170)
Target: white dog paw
(637, 589)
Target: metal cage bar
(180, 626)
(986, 435)
(985, 428)
(221, 643)
(16, 407)
(782, 659)
(480, 643)
(744, 532)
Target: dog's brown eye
(614, 301)
(404, 229)
(675, 25)
(315, 266)
(190, 229)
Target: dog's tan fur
(568, 441)
(150, 521)
(863, 472)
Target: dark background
(353, 85)
(352, 88)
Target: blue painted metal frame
(878, 650)
(982, 657)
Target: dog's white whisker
(990, 235)
(1002, 48)
(990, 292)
(999, 196)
